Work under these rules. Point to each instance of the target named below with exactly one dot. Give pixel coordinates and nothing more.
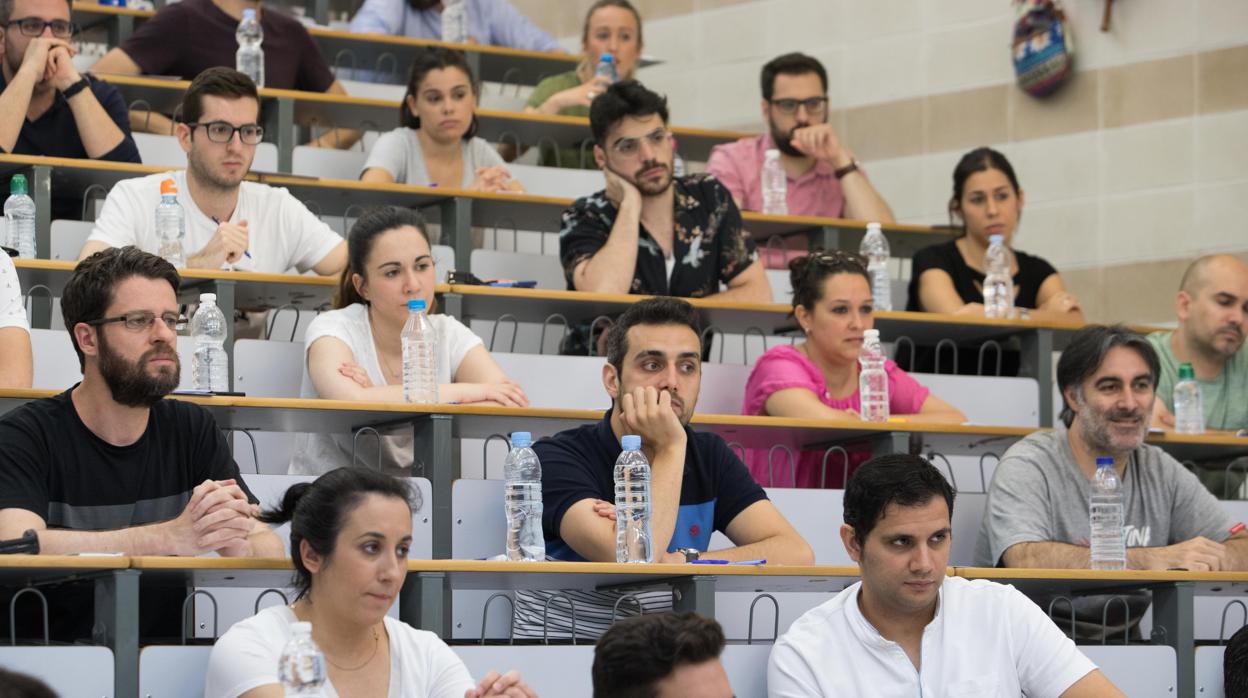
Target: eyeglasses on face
(34, 26)
(143, 320)
(814, 105)
(629, 147)
(223, 132)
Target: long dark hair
(807, 274)
(426, 60)
(979, 160)
(360, 239)
(318, 510)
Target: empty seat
(68, 671)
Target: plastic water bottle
(170, 224)
(872, 380)
(775, 185)
(420, 356)
(633, 542)
(210, 366)
(522, 497)
(998, 283)
(455, 21)
(875, 248)
(250, 57)
(1109, 550)
(606, 68)
(19, 218)
(1189, 409)
(302, 666)
(679, 168)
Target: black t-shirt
(580, 464)
(185, 38)
(55, 133)
(708, 243)
(53, 465)
(1032, 271)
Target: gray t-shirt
(398, 152)
(1038, 494)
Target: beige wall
(1138, 165)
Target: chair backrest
(479, 521)
(723, 387)
(781, 288)
(968, 514)
(68, 237)
(557, 181)
(522, 266)
(1210, 671)
(173, 670)
(573, 382)
(988, 400)
(68, 671)
(56, 362)
(817, 516)
(268, 368)
(327, 163)
(157, 149)
(552, 672)
(746, 666)
(1138, 670)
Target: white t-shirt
(398, 152)
(319, 453)
(246, 656)
(12, 311)
(986, 639)
(281, 232)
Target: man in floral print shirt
(649, 232)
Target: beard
(1096, 428)
(130, 383)
(204, 173)
(783, 139)
(648, 188)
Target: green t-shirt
(569, 157)
(1225, 398)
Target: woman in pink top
(819, 377)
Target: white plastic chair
(173, 670)
(68, 237)
(56, 362)
(68, 671)
(327, 163)
(156, 149)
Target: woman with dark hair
(436, 143)
(354, 352)
(949, 277)
(350, 532)
(818, 378)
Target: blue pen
(246, 253)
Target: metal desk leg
(1037, 362)
(117, 626)
(696, 593)
(281, 122)
(887, 444)
(828, 238)
(456, 221)
(432, 448)
(425, 602)
(120, 28)
(1173, 609)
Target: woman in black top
(949, 277)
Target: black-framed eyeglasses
(223, 131)
(34, 26)
(814, 105)
(628, 147)
(143, 320)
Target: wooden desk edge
(65, 562)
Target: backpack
(1043, 49)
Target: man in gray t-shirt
(1037, 511)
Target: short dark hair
(89, 291)
(638, 652)
(6, 9)
(978, 160)
(790, 64)
(16, 685)
(1087, 349)
(360, 239)
(896, 478)
(426, 60)
(318, 510)
(221, 82)
(651, 311)
(1235, 665)
(807, 273)
(624, 98)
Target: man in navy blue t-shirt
(698, 485)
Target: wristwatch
(82, 84)
(690, 554)
(842, 171)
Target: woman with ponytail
(354, 352)
(350, 532)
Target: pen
(246, 253)
(1237, 528)
(726, 562)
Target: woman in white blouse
(16, 369)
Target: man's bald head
(1200, 272)
(1212, 306)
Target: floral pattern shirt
(709, 245)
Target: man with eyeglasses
(824, 179)
(230, 223)
(649, 232)
(110, 466)
(47, 107)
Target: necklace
(381, 355)
(366, 661)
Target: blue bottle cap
(1104, 462)
(521, 439)
(416, 304)
(996, 239)
(606, 58)
(631, 442)
(249, 13)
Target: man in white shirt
(905, 629)
(230, 223)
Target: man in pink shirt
(824, 179)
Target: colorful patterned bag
(1043, 48)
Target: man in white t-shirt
(230, 223)
(16, 370)
(905, 629)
